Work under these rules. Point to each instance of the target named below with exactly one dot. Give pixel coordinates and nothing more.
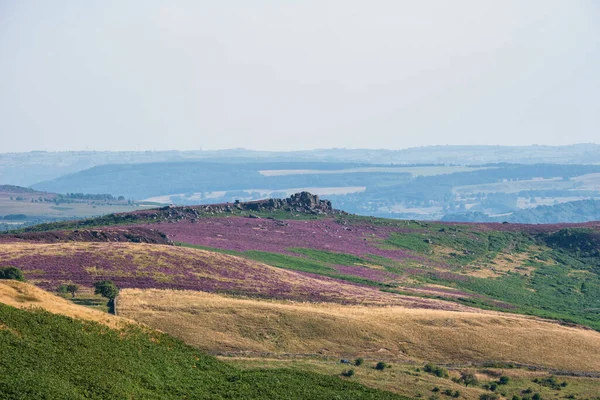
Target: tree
(72, 288)
(12, 273)
(106, 289)
(468, 378)
(358, 362)
(62, 289)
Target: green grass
(51, 356)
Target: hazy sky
(280, 75)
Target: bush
(456, 394)
(358, 362)
(72, 288)
(380, 366)
(106, 289)
(536, 396)
(62, 289)
(515, 397)
(12, 273)
(468, 378)
(435, 389)
(436, 370)
(348, 373)
(448, 392)
(503, 380)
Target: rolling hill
(233, 326)
(294, 279)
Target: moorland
(295, 285)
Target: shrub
(358, 362)
(106, 289)
(62, 289)
(456, 394)
(515, 397)
(435, 389)
(503, 380)
(380, 366)
(348, 373)
(448, 392)
(536, 396)
(468, 378)
(436, 370)
(12, 273)
(72, 288)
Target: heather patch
(132, 266)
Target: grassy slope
(223, 324)
(411, 380)
(51, 356)
(23, 295)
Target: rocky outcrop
(299, 203)
(302, 202)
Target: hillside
(150, 266)
(295, 279)
(52, 356)
(25, 296)
(20, 206)
(224, 325)
(543, 270)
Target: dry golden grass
(220, 324)
(24, 295)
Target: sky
(297, 75)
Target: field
(414, 171)
(20, 205)
(233, 326)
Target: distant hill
(424, 192)
(26, 169)
(573, 211)
(20, 206)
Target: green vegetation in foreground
(313, 261)
(51, 356)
